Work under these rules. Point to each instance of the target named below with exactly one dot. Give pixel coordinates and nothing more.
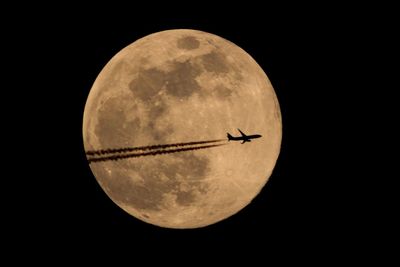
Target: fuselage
(244, 138)
(247, 137)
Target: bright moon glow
(183, 86)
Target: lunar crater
(223, 92)
(188, 43)
(215, 62)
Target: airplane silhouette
(244, 138)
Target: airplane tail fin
(229, 136)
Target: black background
(306, 206)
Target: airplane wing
(241, 132)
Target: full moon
(180, 86)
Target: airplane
(244, 138)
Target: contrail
(144, 148)
(151, 153)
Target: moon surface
(182, 86)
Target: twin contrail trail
(123, 153)
(151, 153)
(144, 148)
